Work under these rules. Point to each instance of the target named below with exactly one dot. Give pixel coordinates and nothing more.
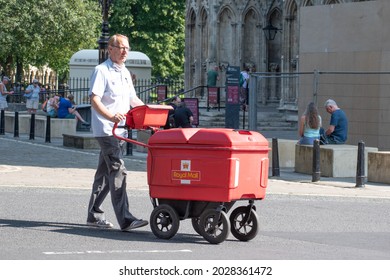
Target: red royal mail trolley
(199, 173)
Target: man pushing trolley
(199, 174)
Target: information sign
(161, 92)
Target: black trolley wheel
(242, 228)
(164, 221)
(195, 225)
(213, 230)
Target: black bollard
(16, 125)
(275, 158)
(243, 118)
(2, 122)
(48, 132)
(129, 146)
(360, 173)
(316, 161)
(32, 127)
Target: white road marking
(328, 195)
(117, 252)
(9, 168)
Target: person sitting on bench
(66, 110)
(338, 128)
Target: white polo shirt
(115, 88)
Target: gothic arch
(273, 58)
(291, 35)
(307, 3)
(330, 2)
(204, 43)
(250, 39)
(274, 46)
(227, 45)
(290, 54)
(191, 46)
(290, 5)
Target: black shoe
(135, 224)
(86, 124)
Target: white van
(83, 62)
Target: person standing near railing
(4, 93)
(244, 87)
(212, 77)
(32, 96)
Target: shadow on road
(112, 234)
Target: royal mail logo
(185, 174)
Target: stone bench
(83, 140)
(286, 150)
(80, 141)
(57, 126)
(335, 160)
(378, 167)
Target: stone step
(279, 124)
(269, 128)
(221, 114)
(271, 125)
(260, 120)
(268, 119)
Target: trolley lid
(218, 137)
(172, 136)
(145, 116)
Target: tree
(40, 32)
(155, 28)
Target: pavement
(35, 163)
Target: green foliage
(40, 32)
(155, 28)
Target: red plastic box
(220, 165)
(145, 116)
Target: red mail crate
(220, 165)
(145, 116)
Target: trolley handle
(126, 139)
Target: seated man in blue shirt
(338, 129)
(66, 110)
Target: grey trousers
(110, 177)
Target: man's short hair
(5, 78)
(114, 38)
(330, 102)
